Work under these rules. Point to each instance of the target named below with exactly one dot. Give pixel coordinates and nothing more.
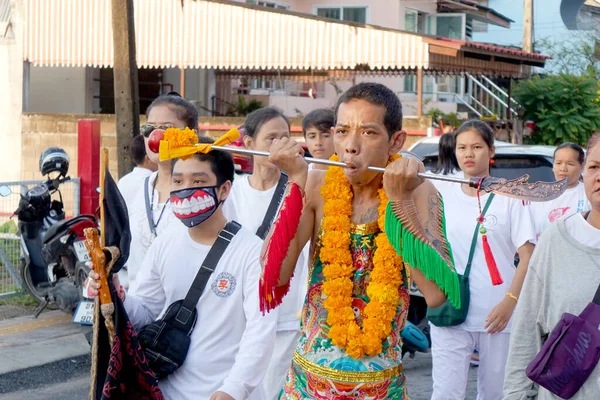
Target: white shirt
(232, 341)
(572, 201)
(132, 183)
(582, 231)
(249, 206)
(141, 236)
(509, 226)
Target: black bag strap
(206, 269)
(149, 216)
(597, 296)
(475, 235)
(263, 229)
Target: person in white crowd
(568, 164)
(150, 214)
(133, 182)
(317, 128)
(564, 275)
(254, 201)
(232, 341)
(507, 228)
(447, 163)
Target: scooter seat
(62, 227)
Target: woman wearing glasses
(151, 214)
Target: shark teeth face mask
(194, 205)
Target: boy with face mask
(231, 340)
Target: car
(430, 145)
(243, 162)
(513, 161)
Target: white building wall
(11, 100)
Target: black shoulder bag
(263, 229)
(166, 342)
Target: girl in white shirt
(248, 204)
(568, 164)
(164, 112)
(509, 228)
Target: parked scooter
(54, 259)
(415, 335)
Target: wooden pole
(419, 92)
(528, 32)
(182, 82)
(127, 103)
(103, 167)
(528, 26)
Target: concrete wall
(40, 131)
(59, 90)
(11, 100)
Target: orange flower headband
(183, 143)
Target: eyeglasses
(147, 129)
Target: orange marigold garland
(180, 137)
(338, 271)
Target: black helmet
(54, 159)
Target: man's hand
(93, 285)
(400, 178)
(221, 396)
(500, 315)
(288, 156)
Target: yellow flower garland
(385, 278)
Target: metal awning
(207, 34)
(234, 37)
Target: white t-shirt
(232, 340)
(509, 226)
(141, 236)
(132, 183)
(582, 231)
(572, 201)
(249, 206)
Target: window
(351, 14)
(414, 21)
(270, 4)
(451, 26)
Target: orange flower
(338, 270)
(180, 137)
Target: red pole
(88, 163)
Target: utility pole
(127, 103)
(528, 32)
(528, 26)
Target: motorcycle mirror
(5, 191)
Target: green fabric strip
(424, 257)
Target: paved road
(72, 382)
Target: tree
(243, 108)
(563, 107)
(575, 54)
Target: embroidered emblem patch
(224, 284)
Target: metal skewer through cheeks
(519, 188)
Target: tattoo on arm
(433, 228)
(370, 215)
(426, 224)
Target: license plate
(84, 314)
(81, 251)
